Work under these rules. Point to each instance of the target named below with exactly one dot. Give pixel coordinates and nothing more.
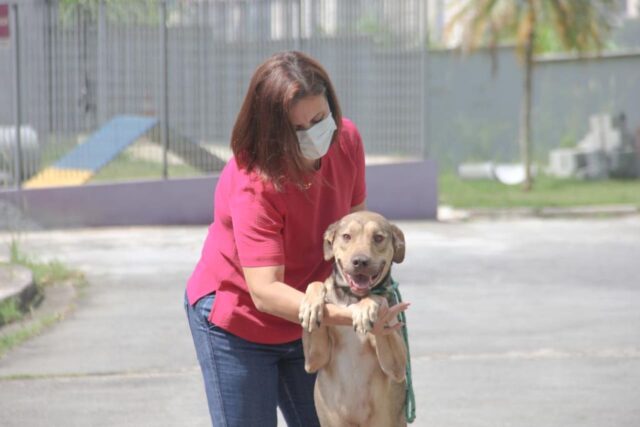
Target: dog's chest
(353, 365)
(352, 348)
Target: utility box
(596, 164)
(607, 150)
(565, 163)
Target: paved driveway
(512, 323)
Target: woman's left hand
(387, 321)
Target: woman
(298, 166)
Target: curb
(447, 213)
(16, 282)
(40, 310)
(591, 211)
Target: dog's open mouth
(360, 284)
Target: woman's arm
(361, 207)
(271, 295)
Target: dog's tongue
(359, 282)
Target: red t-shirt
(255, 225)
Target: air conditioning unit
(596, 164)
(565, 163)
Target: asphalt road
(512, 323)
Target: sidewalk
(525, 322)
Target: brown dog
(361, 378)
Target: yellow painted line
(54, 177)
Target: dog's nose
(360, 261)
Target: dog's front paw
(312, 307)
(365, 313)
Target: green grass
(9, 311)
(124, 167)
(44, 274)
(8, 341)
(547, 192)
(127, 168)
(51, 153)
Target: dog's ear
(398, 244)
(329, 235)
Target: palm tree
(579, 25)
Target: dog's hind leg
(392, 355)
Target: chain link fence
(109, 90)
(112, 90)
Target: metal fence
(82, 68)
(181, 69)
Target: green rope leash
(410, 399)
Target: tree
(578, 25)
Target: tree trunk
(525, 121)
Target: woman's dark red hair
(263, 138)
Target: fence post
(101, 72)
(300, 17)
(424, 79)
(18, 95)
(49, 66)
(164, 99)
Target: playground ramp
(103, 146)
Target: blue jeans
(245, 381)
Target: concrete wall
(474, 112)
(399, 191)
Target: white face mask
(315, 141)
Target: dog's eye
(346, 237)
(378, 238)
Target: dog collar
(382, 288)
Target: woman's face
(308, 111)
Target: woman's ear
(398, 244)
(329, 235)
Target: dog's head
(364, 244)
